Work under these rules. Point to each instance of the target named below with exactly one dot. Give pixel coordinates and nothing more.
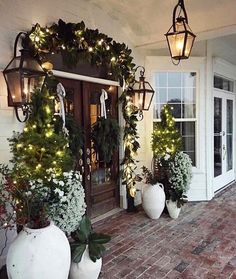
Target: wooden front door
(100, 180)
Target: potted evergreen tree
(166, 141)
(39, 179)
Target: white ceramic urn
(86, 268)
(173, 209)
(39, 254)
(153, 200)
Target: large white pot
(86, 268)
(153, 200)
(39, 254)
(173, 209)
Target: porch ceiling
(139, 23)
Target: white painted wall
(8, 124)
(195, 64)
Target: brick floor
(201, 243)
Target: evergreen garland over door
(100, 179)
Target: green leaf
(78, 252)
(85, 226)
(95, 251)
(100, 238)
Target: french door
(224, 104)
(99, 179)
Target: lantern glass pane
(14, 86)
(30, 84)
(189, 44)
(32, 64)
(147, 100)
(15, 63)
(138, 100)
(176, 43)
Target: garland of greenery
(76, 42)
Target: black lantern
(180, 37)
(142, 92)
(23, 74)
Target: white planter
(39, 254)
(153, 200)
(86, 268)
(173, 209)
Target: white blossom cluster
(67, 212)
(37, 190)
(180, 171)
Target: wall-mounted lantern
(142, 92)
(23, 74)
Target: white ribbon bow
(61, 93)
(103, 98)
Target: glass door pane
(229, 134)
(217, 136)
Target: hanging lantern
(142, 92)
(23, 74)
(180, 37)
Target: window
(179, 90)
(223, 83)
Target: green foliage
(39, 154)
(75, 137)
(166, 138)
(74, 40)
(130, 138)
(86, 236)
(179, 176)
(178, 196)
(148, 176)
(106, 137)
(39, 150)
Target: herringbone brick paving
(201, 243)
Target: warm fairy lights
(102, 50)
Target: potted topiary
(179, 177)
(87, 249)
(40, 187)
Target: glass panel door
(229, 135)
(217, 136)
(223, 139)
(101, 178)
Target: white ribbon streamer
(103, 98)
(61, 93)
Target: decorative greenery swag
(75, 42)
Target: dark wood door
(100, 180)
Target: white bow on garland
(103, 98)
(61, 93)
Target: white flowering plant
(179, 176)
(37, 201)
(69, 206)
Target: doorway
(224, 104)
(101, 183)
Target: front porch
(199, 244)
